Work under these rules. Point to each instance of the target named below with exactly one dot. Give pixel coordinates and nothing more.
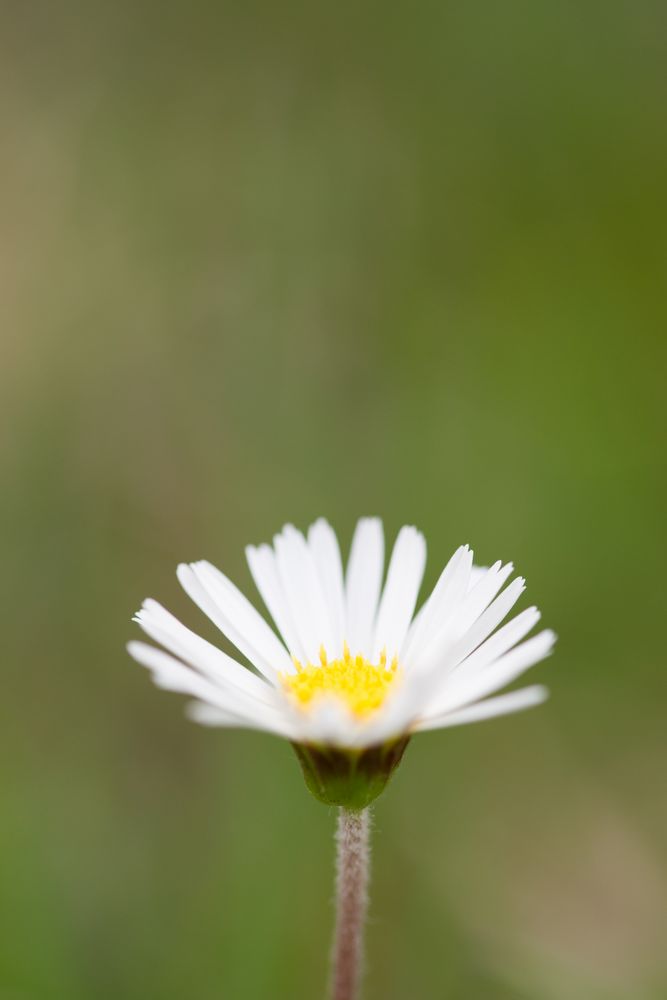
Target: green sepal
(349, 778)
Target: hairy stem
(353, 858)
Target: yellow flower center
(362, 685)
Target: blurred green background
(262, 262)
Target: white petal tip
(204, 715)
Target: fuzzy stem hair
(353, 864)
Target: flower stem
(353, 856)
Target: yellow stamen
(360, 684)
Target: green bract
(349, 778)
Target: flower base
(349, 778)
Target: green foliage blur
(262, 262)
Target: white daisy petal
(325, 551)
(208, 715)
(475, 601)
(480, 596)
(328, 722)
(164, 628)
(476, 574)
(515, 701)
(500, 642)
(404, 577)
(205, 714)
(264, 570)
(172, 675)
(255, 632)
(394, 719)
(363, 582)
(441, 655)
(332, 723)
(460, 690)
(234, 615)
(303, 590)
(438, 606)
(469, 609)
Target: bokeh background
(261, 262)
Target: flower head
(352, 667)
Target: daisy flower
(350, 672)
